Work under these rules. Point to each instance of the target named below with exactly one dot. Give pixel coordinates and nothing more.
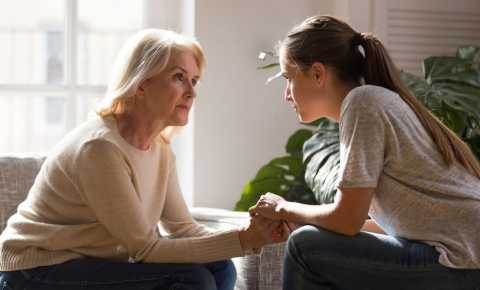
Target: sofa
(256, 272)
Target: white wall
(240, 123)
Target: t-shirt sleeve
(362, 146)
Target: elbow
(351, 228)
(355, 227)
(351, 231)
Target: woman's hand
(269, 205)
(262, 231)
(283, 231)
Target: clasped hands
(267, 224)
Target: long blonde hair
(145, 54)
(334, 43)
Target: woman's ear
(319, 73)
(141, 89)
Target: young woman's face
(301, 92)
(169, 95)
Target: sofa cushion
(16, 177)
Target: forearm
(325, 216)
(219, 246)
(186, 230)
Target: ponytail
(379, 70)
(333, 42)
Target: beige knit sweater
(96, 195)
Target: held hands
(269, 205)
(266, 224)
(262, 231)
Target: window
(56, 57)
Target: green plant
(321, 155)
(450, 88)
(283, 176)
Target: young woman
(398, 164)
(91, 219)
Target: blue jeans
(320, 259)
(91, 273)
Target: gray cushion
(16, 177)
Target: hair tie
(357, 39)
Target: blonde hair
(333, 42)
(145, 54)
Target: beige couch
(261, 272)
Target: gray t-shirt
(418, 197)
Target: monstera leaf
(283, 176)
(471, 53)
(451, 90)
(321, 153)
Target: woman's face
(169, 95)
(301, 91)
(309, 92)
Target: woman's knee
(309, 238)
(224, 273)
(203, 279)
(311, 246)
(229, 272)
(310, 250)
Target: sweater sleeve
(104, 178)
(176, 218)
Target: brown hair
(334, 43)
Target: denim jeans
(99, 274)
(320, 259)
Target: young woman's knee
(313, 240)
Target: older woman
(91, 218)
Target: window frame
(75, 95)
(177, 15)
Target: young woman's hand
(269, 205)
